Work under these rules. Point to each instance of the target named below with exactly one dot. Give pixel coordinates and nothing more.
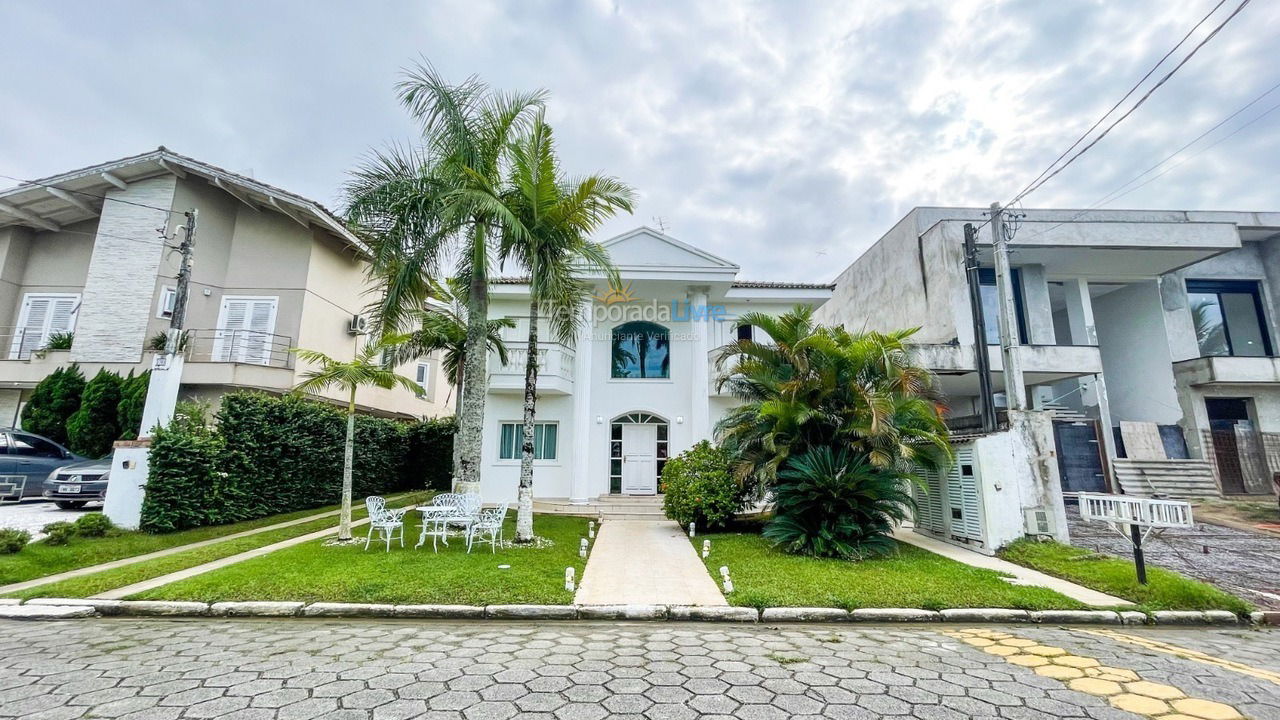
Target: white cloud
(786, 136)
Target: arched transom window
(641, 350)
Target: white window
(164, 308)
(423, 378)
(512, 437)
(42, 315)
(245, 334)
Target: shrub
(181, 479)
(59, 341)
(429, 455)
(58, 533)
(96, 425)
(270, 454)
(837, 504)
(133, 398)
(93, 525)
(11, 540)
(53, 401)
(698, 487)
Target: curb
(48, 608)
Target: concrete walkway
(1022, 575)
(645, 562)
(122, 562)
(155, 582)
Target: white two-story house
(91, 253)
(638, 384)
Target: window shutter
(245, 330)
(42, 316)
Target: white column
(1080, 312)
(1037, 308)
(579, 486)
(700, 412)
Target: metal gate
(1079, 457)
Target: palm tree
(556, 215)
(366, 368)
(816, 386)
(438, 202)
(442, 327)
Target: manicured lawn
(1165, 590)
(914, 578)
(314, 572)
(38, 560)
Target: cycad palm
(365, 369)
(815, 386)
(439, 202)
(556, 216)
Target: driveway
(140, 669)
(31, 515)
(1241, 562)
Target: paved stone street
(392, 670)
(32, 515)
(1240, 562)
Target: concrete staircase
(1063, 413)
(606, 507)
(1175, 479)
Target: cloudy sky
(785, 136)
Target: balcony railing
(247, 347)
(555, 368)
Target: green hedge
(271, 454)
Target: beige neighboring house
(82, 252)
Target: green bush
(12, 541)
(429, 456)
(53, 401)
(93, 525)
(133, 398)
(182, 479)
(58, 533)
(59, 341)
(96, 425)
(698, 487)
(837, 504)
(270, 454)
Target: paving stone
(805, 615)
(720, 613)
(1179, 617)
(255, 609)
(985, 615)
(893, 615)
(44, 612)
(1073, 617)
(532, 612)
(348, 610)
(440, 611)
(150, 608)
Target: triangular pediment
(645, 247)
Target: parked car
(71, 486)
(26, 459)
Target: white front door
(639, 462)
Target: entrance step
(606, 507)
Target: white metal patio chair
(447, 509)
(389, 523)
(488, 523)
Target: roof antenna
(662, 224)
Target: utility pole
(986, 403)
(179, 315)
(1015, 390)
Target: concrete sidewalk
(645, 562)
(1022, 575)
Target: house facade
(1146, 336)
(91, 253)
(637, 384)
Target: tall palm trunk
(524, 500)
(457, 417)
(348, 451)
(475, 376)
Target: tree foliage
(53, 401)
(133, 398)
(697, 487)
(93, 428)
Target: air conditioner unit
(1038, 522)
(358, 325)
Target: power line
(1036, 185)
(104, 198)
(1120, 102)
(1116, 194)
